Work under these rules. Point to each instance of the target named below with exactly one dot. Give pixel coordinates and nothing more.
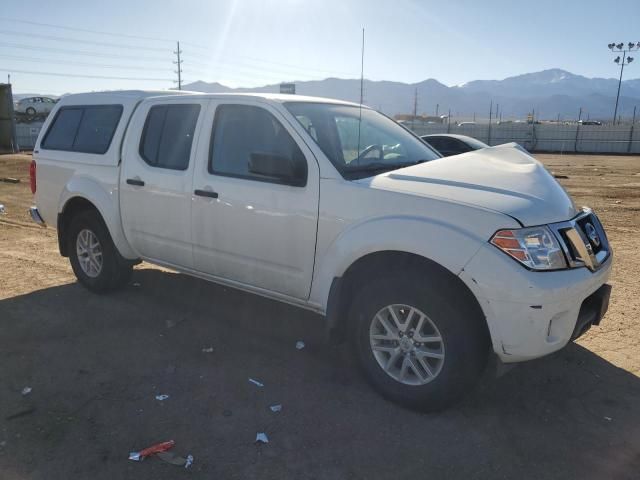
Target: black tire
(115, 271)
(462, 328)
(31, 111)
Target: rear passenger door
(156, 176)
(249, 228)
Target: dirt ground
(96, 363)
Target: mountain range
(549, 92)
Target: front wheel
(94, 258)
(416, 341)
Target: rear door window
(168, 135)
(83, 129)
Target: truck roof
(134, 95)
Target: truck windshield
(360, 146)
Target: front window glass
(360, 142)
(241, 134)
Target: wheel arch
(70, 209)
(344, 288)
(83, 193)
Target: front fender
(444, 243)
(106, 200)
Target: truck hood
(505, 179)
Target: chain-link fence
(27, 134)
(547, 137)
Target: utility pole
(490, 113)
(415, 108)
(437, 108)
(178, 62)
(622, 60)
(8, 79)
(362, 70)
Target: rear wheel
(417, 342)
(94, 258)
(31, 111)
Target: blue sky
(251, 42)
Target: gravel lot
(96, 363)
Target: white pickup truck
(426, 264)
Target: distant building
(289, 88)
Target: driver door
(250, 229)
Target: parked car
(34, 105)
(427, 266)
(590, 122)
(452, 144)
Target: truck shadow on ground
(95, 364)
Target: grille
(583, 240)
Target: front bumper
(531, 314)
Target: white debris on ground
(162, 397)
(299, 344)
(26, 391)
(276, 408)
(256, 382)
(261, 437)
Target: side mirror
(279, 169)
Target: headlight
(534, 247)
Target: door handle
(135, 181)
(206, 193)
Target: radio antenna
(361, 94)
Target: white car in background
(34, 105)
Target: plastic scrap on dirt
(26, 391)
(161, 450)
(261, 437)
(9, 180)
(256, 382)
(276, 408)
(3, 211)
(174, 459)
(152, 450)
(162, 397)
(299, 344)
(207, 350)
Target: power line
(76, 40)
(82, 52)
(85, 30)
(79, 64)
(55, 74)
(178, 64)
(208, 59)
(254, 68)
